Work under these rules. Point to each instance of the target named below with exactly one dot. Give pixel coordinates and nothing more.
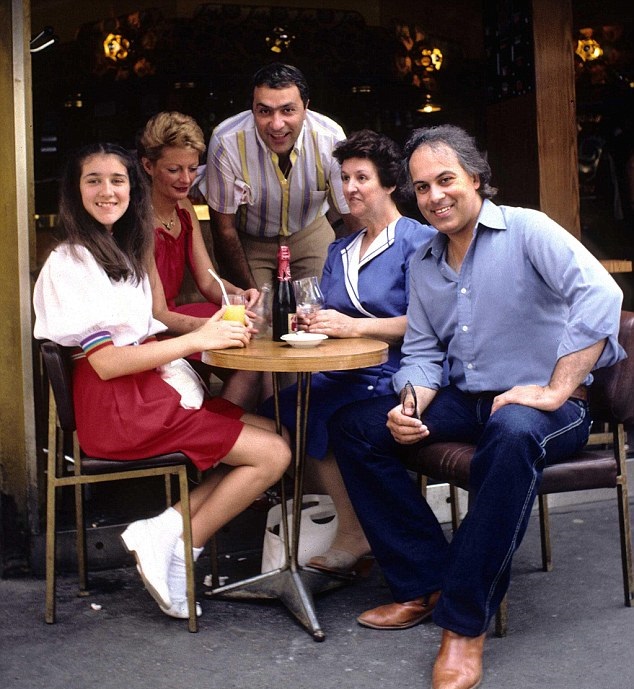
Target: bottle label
(284, 264)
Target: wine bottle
(283, 307)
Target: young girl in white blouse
(131, 400)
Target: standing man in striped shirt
(271, 178)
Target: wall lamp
(45, 39)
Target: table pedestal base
(294, 588)
(293, 584)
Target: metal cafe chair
(84, 470)
(600, 464)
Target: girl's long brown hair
(123, 253)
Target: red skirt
(139, 416)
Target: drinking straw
(222, 287)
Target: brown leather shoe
(459, 662)
(400, 615)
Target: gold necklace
(169, 226)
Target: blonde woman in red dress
(169, 149)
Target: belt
(579, 393)
(486, 394)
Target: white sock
(177, 575)
(170, 521)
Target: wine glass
(308, 298)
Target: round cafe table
(292, 583)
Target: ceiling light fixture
(429, 106)
(279, 40)
(588, 48)
(116, 47)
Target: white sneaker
(180, 610)
(153, 550)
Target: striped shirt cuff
(96, 341)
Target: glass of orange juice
(236, 308)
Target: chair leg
(544, 532)
(49, 615)
(80, 540)
(624, 515)
(502, 618)
(80, 525)
(52, 462)
(455, 507)
(626, 544)
(213, 555)
(168, 490)
(421, 479)
(187, 540)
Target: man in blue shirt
(518, 313)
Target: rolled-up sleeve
(594, 299)
(220, 179)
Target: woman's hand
(218, 334)
(332, 323)
(336, 324)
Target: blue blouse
(376, 286)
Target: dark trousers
(512, 447)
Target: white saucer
(304, 339)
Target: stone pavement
(568, 629)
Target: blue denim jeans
(512, 448)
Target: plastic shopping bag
(317, 529)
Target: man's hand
(570, 371)
(251, 297)
(536, 396)
(405, 429)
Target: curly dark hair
(123, 253)
(277, 75)
(378, 148)
(462, 144)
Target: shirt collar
(380, 243)
(490, 216)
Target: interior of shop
(100, 70)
